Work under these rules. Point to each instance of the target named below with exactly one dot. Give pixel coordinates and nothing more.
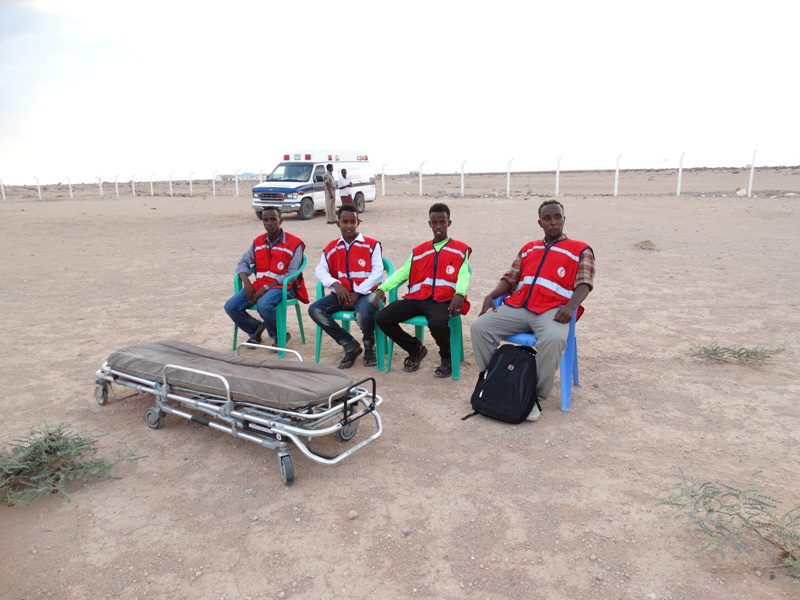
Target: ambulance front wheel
(306, 210)
(259, 214)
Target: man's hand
(341, 293)
(564, 314)
(455, 305)
(249, 292)
(352, 298)
(380, 298)
(488, 304)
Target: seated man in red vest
(549, 279)
(351, 267)
(438, 276)
(276, 255)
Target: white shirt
(323, 273)
(343, 181)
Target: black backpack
(506, 390)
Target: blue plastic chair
(569, 360)
(280, 308)
(346, 316)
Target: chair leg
(318, 344)
(456, 346)
(280, 323)
(300, 323)
(575, 379)
(235, 331)
(567, 366)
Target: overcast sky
(90, 87)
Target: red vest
(351, 266)
(272, 262)
(547, 275)
(434, 274)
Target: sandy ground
(562, 508)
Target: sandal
(443, 370)
(256, 337)
(370, 360)
(349, 358)
(410, 364)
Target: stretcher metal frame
(272, 428)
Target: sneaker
(535, 414)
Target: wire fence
(761, 181)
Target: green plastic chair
(280, 308)
(386, 344)
(346, 316)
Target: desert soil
(437, 507)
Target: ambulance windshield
(291, 172)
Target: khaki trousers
(330, 207)
(491, 328)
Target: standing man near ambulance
(276, 255)
(346, 189)
(547, 282)
(330, 195)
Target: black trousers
(389, 319)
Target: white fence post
(3, 190)
(680, 173)
(133, 184)
(236, 175)
(38, 187)
(100, 183)
(383, 179)
(69, 181)
(752, 169)
(558, 172)
(190, 183)
(214, 183)
(420, 178)
(116, 185)
(508, 179)
(170, 182)
(151, 184)
(616, 176)
(462, 177)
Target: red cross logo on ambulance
(561, 271)
(361, 262)
(450, 269)
(280, 265)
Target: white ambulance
(297, 184)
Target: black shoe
(256, 337)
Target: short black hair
(277, 209)
(346, 208)
(439, 207)
(548, 203)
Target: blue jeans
(321, 311)
(238, 304)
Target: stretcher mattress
(281, 384)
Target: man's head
(330, 168)
(271, 218)
(439, 221)
(348, 221)
(551, 219)
(344, 172)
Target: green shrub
(47, 460)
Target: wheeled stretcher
(271, 402)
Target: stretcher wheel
(287, 468)
(347, 432)
(101, 393)
(154, 418)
